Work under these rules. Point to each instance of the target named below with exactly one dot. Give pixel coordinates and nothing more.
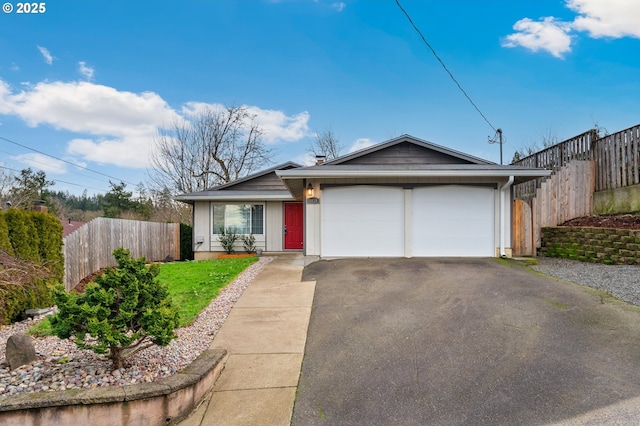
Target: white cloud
(119, 127)
(85, 70)
(549, 34)
(124, 123)
(339, 6)
(306, 159)
(598, 18)
(5, 91)
(610, 18)
(361, 143)
(46, 54)
(42, 162)
(276, 125)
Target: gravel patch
(621, 281)
(61, 365)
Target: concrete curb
(165, 401)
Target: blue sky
(90, 82)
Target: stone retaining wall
(588, 244)
(163, 402)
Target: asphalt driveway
(460, 341)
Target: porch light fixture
(309, 190)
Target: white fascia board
(238, 197)
(300, 174)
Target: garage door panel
(453, 221)
(362, 221)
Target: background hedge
(32, 242)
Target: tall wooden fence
(567, 194)
(554, 158)
(617, 159)
(89, 248)
(581, 166)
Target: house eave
(328, 173)
(221, 197)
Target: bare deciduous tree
(28, 187)
(546, 137)
(214, 147)
(326, 143)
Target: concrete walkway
(265, 336)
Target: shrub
(186, 242)
(23, 235)
(5, 242)
(49, 230)
(228, 238)
(249, 243)
(124, 311)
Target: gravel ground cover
(621, 281)
(61, 365)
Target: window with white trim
(240, 218)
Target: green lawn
(192, 285)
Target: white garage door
(362, 221)
(453, 221)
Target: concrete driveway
(462, 341)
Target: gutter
(328, 173)
(503, 189)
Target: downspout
(503, 189)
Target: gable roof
(422, 160)
(259, 186)
(443, 155)
(284, 166)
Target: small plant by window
(228, 238)
(249, 243)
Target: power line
(58, 180)
(68, 162)
(443, 65)
(61, 169)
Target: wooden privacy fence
(554, 158)
(567, 194)
(581, 166)
(616, 158)
(89, 248)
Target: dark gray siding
(406, 153)
(268, 182)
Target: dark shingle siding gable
(266, 180)
(269, 182)
(405, 153)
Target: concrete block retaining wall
(163, 402)
(588, 244)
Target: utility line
(61, 169)
(443, 65)
(58, 180)
(68, 162)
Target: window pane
(218, 218)
(237, 218)
(257, 219)
(241, 218)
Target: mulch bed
(79, 289)
(625, 221)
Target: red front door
(293, 229)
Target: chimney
(320, 159)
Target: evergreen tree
(125, 310)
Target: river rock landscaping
(61, 365)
